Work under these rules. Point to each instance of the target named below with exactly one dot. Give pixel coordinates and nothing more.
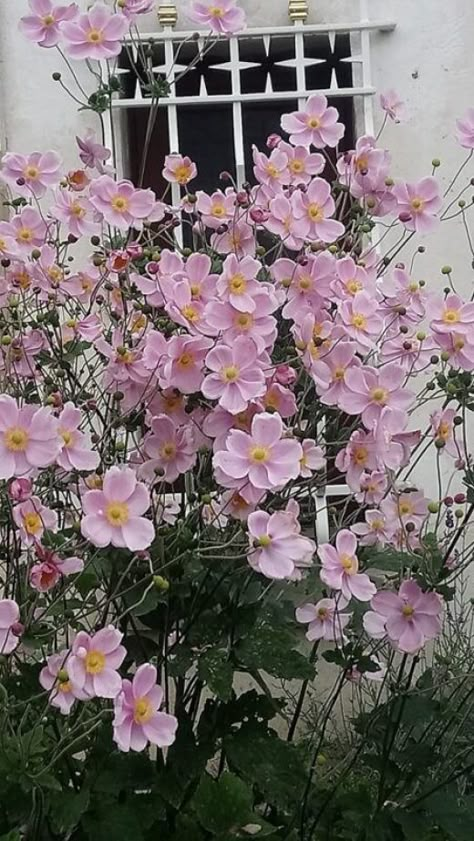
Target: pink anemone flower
(324, 619)
(340, 568)
(237, 377)
(96, 34)
(315, 125)
(9, 617)
(113, 514)
(94, 662)
(28, 438)
(409, 618)
(276, 544)
(137, 719)
(42, 26)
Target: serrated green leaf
(67, 808)
(271, 648)
(215, 669)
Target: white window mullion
(237, 113)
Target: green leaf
(114, 822)
(271, 648)
(224, 804)
(414, 824)
(386, 558)
(67, 808)
(215, 670)
(14, 835)
(270, 763)
(451, 813)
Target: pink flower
(392, 105)
(262, 457)
(20, 489)
(375, 529)
(216, 209)
(418, 204)
(403, 508)
(324, 619)
(340, 568)
(137, 719)
(459, 348)
(54, 677)
(373, 487)
(9, 617)
(357, 457)
(51, 568)
(361, 320)
(444, 431)
(27, 229)
(452, 315)
(272, 169)
(32, 518)
(42, 26)
(237, 283)
(97, 34)
(76, 212)
(313, 208)
(370, 390)
(179, 170)
(282, 400)
(120, 203)
(28, 438)
(259, 324)
(170, 448)
(92, 154)
(283, 222)
(36, 172)
(223, 17)
(330, 372)
(236, 378)
(302, 165)
(317, 125)
(76, 453)
(238, 239)
(313, 458)
(465, 130)
(94, 662)
(277, 547)
(182, 367)
(409, 618)
(131, 8)
(113, 514)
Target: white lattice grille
(282, 64)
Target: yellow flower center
(47, 20)
(272, 400)
(142, 711)
(25, 234)
(65, 686)
(119, 203)
(16, 439)
(173, 403)
(413, 287)
(237, 284)
(459, 343)
(190, 313)
(55, 274)
(244, 320)
(296, 166)
(168, 450)
(350, 564)
(182, 173)
(230, 374)
(32, 522)
(339, 373)
(362, 163)
(360, 455)
(139, 323)
(77, 210)
(379, 395)
(417, 205)
(314, 122)
(264, 540)
(31, 172)
(95, 36)
(376, 525)
(405, 508)
(195, 290)
(408, 611)
(23, 280)
(67, 436)
(305, 283)
(186, 360)
(315, 212)
(94, 662)
(444, 430)
(353, 286)
(259, 454)
(216, 11)
(323, 612)
(117, 513)
(359, 321)
(451, 316)
(218, 210)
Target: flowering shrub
(170, 415)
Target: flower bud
(460, 499)
(446, 270)
(161, 584)
(433, 507)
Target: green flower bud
(433, 507)
(436, 163)
(446, 270)
(161, 584)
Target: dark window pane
(206, 135)
(259, 120)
